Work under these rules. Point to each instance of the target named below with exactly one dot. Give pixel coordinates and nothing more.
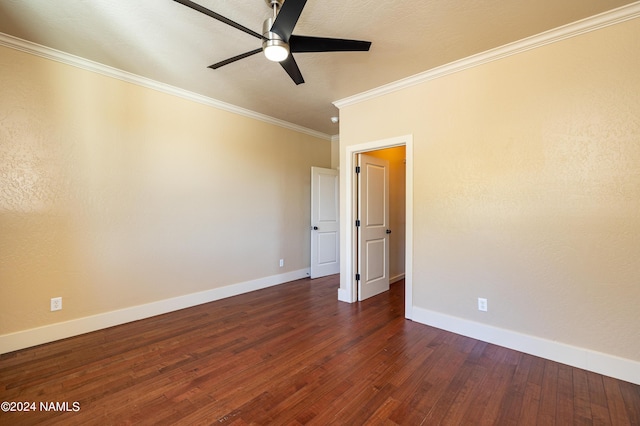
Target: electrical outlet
(482, 304)
(281, 263)
(56, 304)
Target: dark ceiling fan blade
(287, 18)
(235, 58)
(301, 44)
(220, 18)
(292, 69)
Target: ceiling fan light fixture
(274, 47)
(275, 50)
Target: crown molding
(96, 67)
(593, 23)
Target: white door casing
(348, 291)
(373, 232)
(325, 224)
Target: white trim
(408, 252)
(598, 362)
(615, 16)
(396, 278)
(344, 295)
(348, 285)
(62, 330)
(78, 62)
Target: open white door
(325, 225)
(373, 230)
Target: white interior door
(373, 232)
(325, 225)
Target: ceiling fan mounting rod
(275, 5)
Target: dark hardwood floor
(293, 354)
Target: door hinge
(357, 277)
(357, 169)
(358, 222)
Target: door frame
(348, 291)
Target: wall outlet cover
(56, 303)
(482, 304)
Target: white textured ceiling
(170, 43)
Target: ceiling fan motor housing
(272, 39)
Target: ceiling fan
(278, 42)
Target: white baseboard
(396, 278)
(62, 330)
(597, 362)
(343, 296)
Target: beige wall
(335, 153)
(397, 172)
(527, 188)
(113, 195)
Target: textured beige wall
(335, 153)
(527, 188)
(113, 195)
(397, 204)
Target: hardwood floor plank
(292, 354)
(549, 395)
(498, 382)
(564, 406)
(631, 397)
(515, 393)
(598, 399)
(460, 381)
(581, 398)
(530, 404)
(615, 402)
(417, 394)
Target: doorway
(348, 291)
